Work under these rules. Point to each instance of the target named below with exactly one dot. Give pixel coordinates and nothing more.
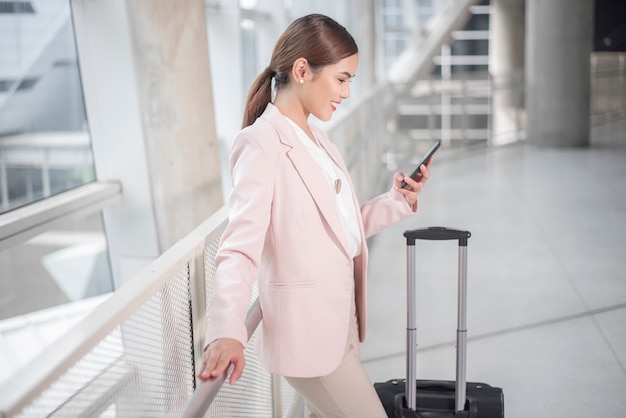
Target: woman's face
(328, 88)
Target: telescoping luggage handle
(436, 233)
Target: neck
(290, 106)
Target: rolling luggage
(439, 398)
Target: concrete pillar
(146, 77)
(174, 84)
(506, 69)
(558, 53)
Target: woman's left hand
(414, 186)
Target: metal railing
(453, 109)
(206, 392)
(137, 353)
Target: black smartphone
(423, 161)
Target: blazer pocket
(293, 285)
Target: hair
(315, 37)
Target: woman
(295, 226)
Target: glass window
(45, 146)
(48, 283)
(66, 264)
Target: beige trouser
(346, 392)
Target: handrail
(206, 391)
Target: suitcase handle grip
(439, 233)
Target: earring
(301, 81)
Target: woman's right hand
(220, 354)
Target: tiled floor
(546, 270)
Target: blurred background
(116, 120)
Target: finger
(407, 188)
(205, 372)
(238, 366)
(202, 373)
(212, 357)
(413, 185)
(425, 172)
(220, 366)
(398, 178)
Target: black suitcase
(439, 398)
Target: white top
(343, 198)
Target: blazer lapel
(334, 154)
(309, 172)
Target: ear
(299, 69)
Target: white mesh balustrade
(143, 368)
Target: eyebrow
(347, 74)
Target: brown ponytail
(259, 96)
(317, 38)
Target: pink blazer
(284, 231)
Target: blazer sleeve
(384, 210)
(252, 165)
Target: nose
(345, 93)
